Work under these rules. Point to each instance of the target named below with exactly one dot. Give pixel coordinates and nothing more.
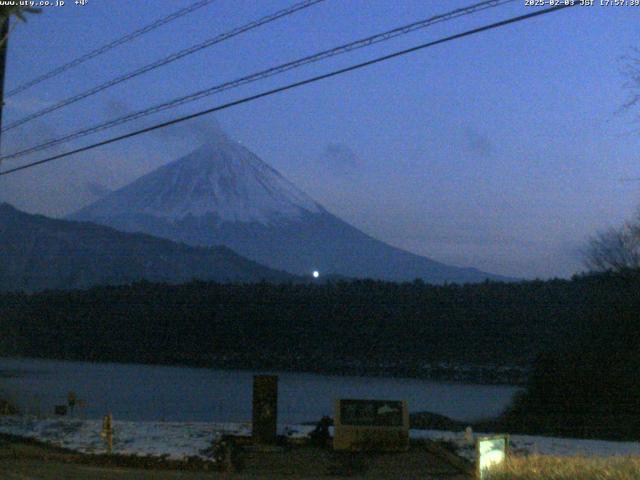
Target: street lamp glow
(316, 274)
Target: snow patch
(530, 445)
(180, 440)
(222, 178)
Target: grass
(541, 467)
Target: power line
(166, 60)
(4, 42)
(365, 42)
(105, 48)
(293, 85)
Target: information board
(378, 413)
(371, 425)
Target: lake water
(147, 392)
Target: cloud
(197, 131)
(115, 108)
(29, 135)
(97, 189)
(340, 158)
(55, 188)
(25, 105)
(478, 143)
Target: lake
(150, 392)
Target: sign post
(71, 401)
(107, 431)
(265, 408)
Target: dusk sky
(501, 151)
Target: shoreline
(468, 374)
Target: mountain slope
(224, 194)
(39, 253)
(222, 178)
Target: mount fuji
(223, 194)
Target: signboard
(381, 425)
(491, 453)
(371, 412)
(265, 408)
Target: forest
(328, 327)
(579, 337)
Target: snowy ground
(179, 440)
(176, 440)
(528, 445)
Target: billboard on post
(381, 425)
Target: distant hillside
(38, 253)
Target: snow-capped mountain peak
(221, 178)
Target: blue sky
(501, 151)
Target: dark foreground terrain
(24, 459)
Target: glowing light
(492, 453)
(316, 274)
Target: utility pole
(4, 35)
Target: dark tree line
(581, 335)
(591, 386)
(342, 326)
